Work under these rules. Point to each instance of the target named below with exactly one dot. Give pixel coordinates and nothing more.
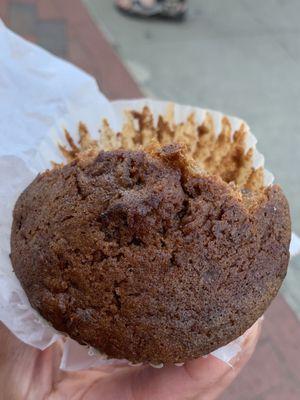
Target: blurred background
(241, 57)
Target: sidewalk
(65, 28)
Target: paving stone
(51, 35)
(23, 18)
(48, 10)
(284, 392)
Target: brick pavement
(65, 28)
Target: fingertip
(207, 368)
(252, 334)
(250, 339)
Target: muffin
(156, 244)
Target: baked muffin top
(145, 255)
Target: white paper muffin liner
(181, 113)
(57, 95)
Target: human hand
(31, 374)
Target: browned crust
(137, 255)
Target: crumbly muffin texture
(223, 154)
(145, 257)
